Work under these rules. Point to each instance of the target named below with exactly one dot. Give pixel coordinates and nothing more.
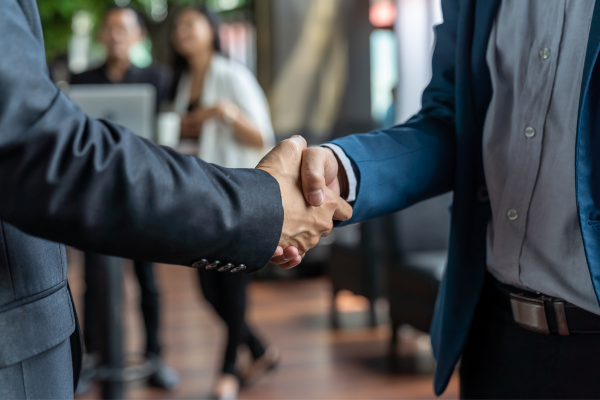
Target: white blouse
(228, 80)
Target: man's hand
(303, 224)
(321, 169)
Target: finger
(290, 253)
(293, 147)
(343, 211)
(318, 167)
(291, 264)
(287, 152)
(278, 251)
(287, 255)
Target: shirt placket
(527, 139)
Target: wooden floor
(317, 362)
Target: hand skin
(303, 224)
(191, 124)
(322, 169)
(244, 130)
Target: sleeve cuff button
(226, 267)
(239, 268)
(200, 264)
(213, 265)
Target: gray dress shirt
(535, 55)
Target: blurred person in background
(223, 107)
(122, 28)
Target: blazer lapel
(485, 14)
(591, 52)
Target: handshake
(310, 184)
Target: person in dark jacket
(122, 28)
(68, 178)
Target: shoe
(165, 376)
(263, 364)
(226, 387)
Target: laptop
(130, 105)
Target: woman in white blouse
(222, 106)
(222, 103)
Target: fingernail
(316, 197)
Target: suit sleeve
(408, 163)
(96, 186)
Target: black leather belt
(544, 314)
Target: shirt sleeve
(347, 164)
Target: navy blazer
(440, 149)
(65, 177)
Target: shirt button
(529, 132)
(512, 215)
(545, 53)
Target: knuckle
(331, 201)
(314, 242)
(288, 145)
(312, 176)
(303, 247)
(311, 151)
(325, 226)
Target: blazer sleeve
(97, 186)
(400, 166)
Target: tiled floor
(317, 363)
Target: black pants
(503, 360)
(149, 304)
(227, 295)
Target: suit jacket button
(226, 267)
(483, 195)
(239, 268)
(213, 265)
(200, 264)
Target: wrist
(342, 176)
(229, 113)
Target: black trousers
(149, 304)
(226, 293)
(504, 361)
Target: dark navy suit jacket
(67, 178)
(440, 149)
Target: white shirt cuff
(348, 167)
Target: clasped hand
(310, 190)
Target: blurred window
(384, 73)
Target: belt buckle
(529, 313)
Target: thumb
(318, 166)
(343, 211)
